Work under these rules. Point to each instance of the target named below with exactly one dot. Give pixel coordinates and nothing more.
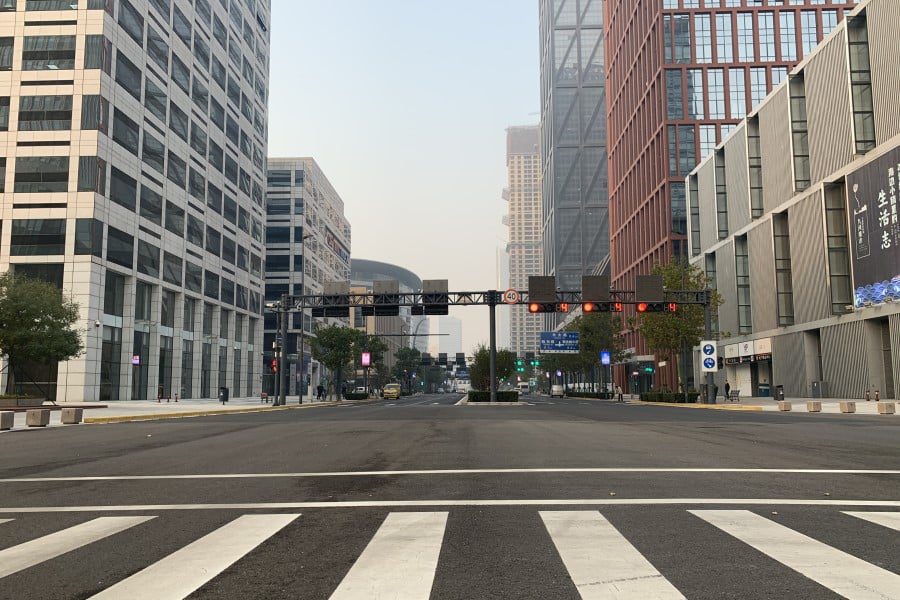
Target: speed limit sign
(511, 296)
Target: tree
(480, 369)
(668, 334)
(596, 332)
(336, 347)
(36, 324)
(408, 361)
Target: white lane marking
(454, 472)
(840, 572)
(187, 569)
(885, 519)
(433, 403)
(603, 565)
(392, 404)
(418, 503)
(2, 521)
(399, 562)
(23, 556)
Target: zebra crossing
(405, 553)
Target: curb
(198, 413)
(700, 406)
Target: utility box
(223, 395)
(779, 393)
(818, 389)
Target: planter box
(21, 402)
(848, 406)
(886, 408)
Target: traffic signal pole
(707, 318)
(282, 366)
(492, 307)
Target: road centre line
(421, 503)
(452, 472)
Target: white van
(557, 390)
(523, 388)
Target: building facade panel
(706, 180)
(725, 284)
(737, 175)
(894, 324)
(811, 298)
(762, 276)
(830, 114)
(845, 360)
(788, 366)
(775, 136)
(884, 53)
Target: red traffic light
(534, 307)
(641, 307)
(588, 307)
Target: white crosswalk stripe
(603, 565)
(184, 571)
(840, 572)
(399, 562)
(13, 560)
(886, 519)
(2, 521)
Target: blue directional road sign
(605, 357)
(710, 356)
(559, 342)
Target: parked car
(391, 391)
(523, 387)
(557, 390)
(360, 390)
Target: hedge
(674, 397)
(486, 396)
(355, 396)
(598, 395)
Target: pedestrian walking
(727, 390)
(619, 395)
(320, 392)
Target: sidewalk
(146, 410)
(829, 405)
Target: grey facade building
(794, 217)
(135, 139)
(524, 249)
(573, 139)
(307, 244)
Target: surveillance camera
(96, 323)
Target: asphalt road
(420, 498)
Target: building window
(687, 153)
(711, 279)
(174, 218)
(695, 215)
(278, 235)
(721, 195)
(151, 205)
(742, 278)
(703, 38)
(808, 31)
(89, 237)
(829, 21)
(119, 247)
(783, 285)
(724, 52)
(37, 237)
(48, 52)
(746, 49)
(788, 30)
(122, 189)
(754, 159)
(187, 368)
(166, 351)
(114, 294)
(766, 36)
(715, 80)
(193, 277)
(757, 86)
(682, 38)
(679, 209)
(148, 259)
(838, 249)
(128, 76)
(131, 21)
(707, 140)
(45, 113)
(6, 53)
(172, 269)
(799, 136)
(110, 361)
(738, 93)
(167, 309)
(861, 84)
(674, 109)
(41, 174)
(779, 74)
(95, 113)
(205, 370)
(126, 132)
(97, 53)
(696, 102)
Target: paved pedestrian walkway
(138, 410)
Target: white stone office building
(794, 217)
(300, 201)
(135, 143)
(525, 222)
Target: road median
(199, 413)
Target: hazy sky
(404, 105)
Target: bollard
(877, 396)
(37, 417)
(71, 416)
(886, 408)
(813, 406)
(867, 396)
(848, 406)
(7, 418)
(784, 406)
